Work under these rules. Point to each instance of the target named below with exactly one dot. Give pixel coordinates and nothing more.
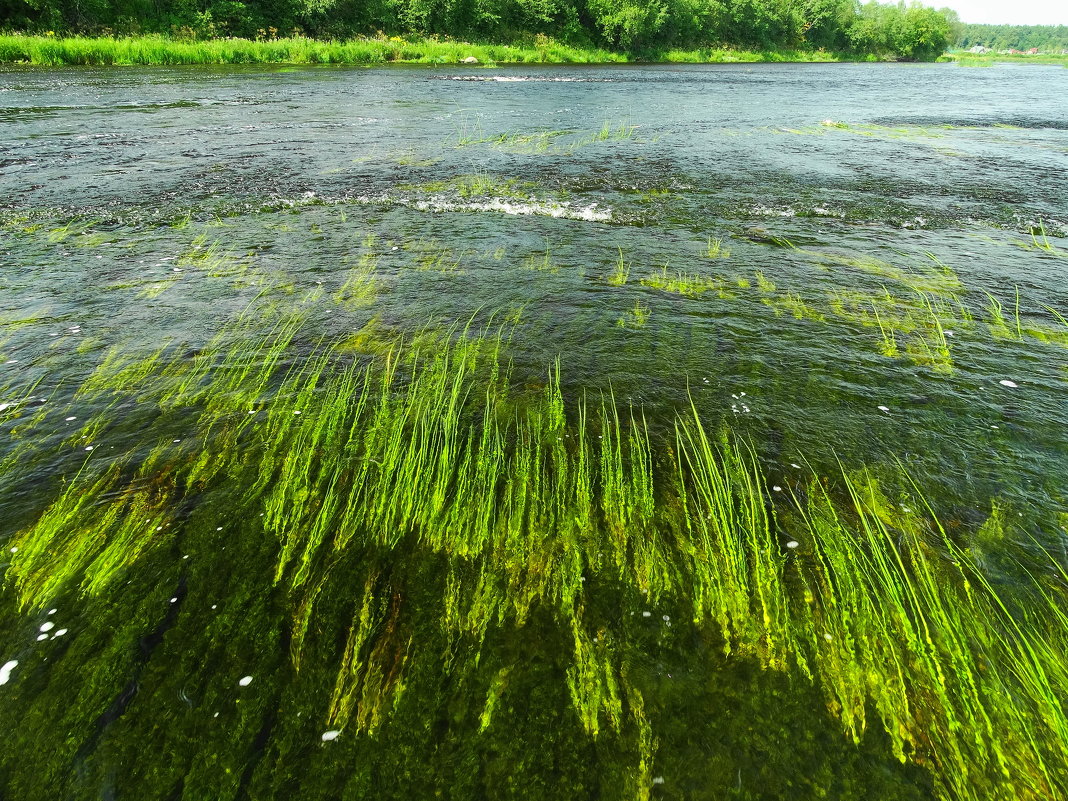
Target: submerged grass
(532, 503)
(680, 282)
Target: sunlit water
(842, 198)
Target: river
(849, 266)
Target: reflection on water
(855, 269)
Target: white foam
(522, 79)
(1007, 383)
(553, 209)
(330, 735)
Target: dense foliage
(897, 31)
(1046, 38)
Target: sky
(1008, 12)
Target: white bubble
(647, 614)
(59, 633)
(89, 447)
(777, 488)
(330, 735)
(72, 417)
(792, 544)
(884, 409)
(1006, 383)
(246, 681)
(52, 611)
(48, 626)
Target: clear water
(493, 191)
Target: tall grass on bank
(80, 50)
(155, 49)
(966, 59)
(349, 455)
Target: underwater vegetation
(389, 491)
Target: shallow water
(143, 207)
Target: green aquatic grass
(1040, 241)
(916, 325)
(636, 317)
(350, 457)
(512, 141)
(888, 341)
(680, 282)
(940, 279)
(434, 256)
(621, 273)
(715, 249)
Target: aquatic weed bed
(466, 484)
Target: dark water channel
(863, 263)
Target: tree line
(913, 32)
(1047, 38)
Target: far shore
(55, 51)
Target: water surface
(860, 263)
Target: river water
(861, 263)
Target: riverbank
(80, 50)
(989, 59)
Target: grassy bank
(79, 50)
(989, 59)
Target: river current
(861, 264)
